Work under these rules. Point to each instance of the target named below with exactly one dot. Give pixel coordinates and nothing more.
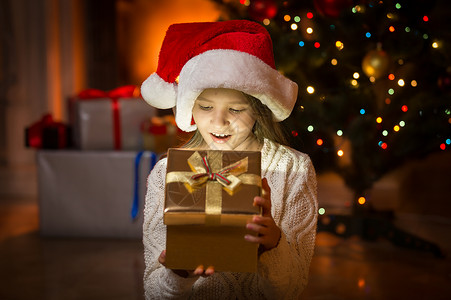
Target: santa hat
(234, 54)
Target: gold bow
(205, 171)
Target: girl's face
(225, 120)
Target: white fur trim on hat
(236, 70)
(159, 93)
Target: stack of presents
(92, 178)
(92, 172)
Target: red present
(47, 134)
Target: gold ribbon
(235, 173)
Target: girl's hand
(268, 232)
(199, 271)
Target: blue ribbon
(153, 161)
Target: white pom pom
(159, 93)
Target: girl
(222, 80)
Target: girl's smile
(225, 120)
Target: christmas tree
(374, 79)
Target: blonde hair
(264, 127)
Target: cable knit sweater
(282, 271)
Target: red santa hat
(234, 54)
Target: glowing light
(362, 111)
(297, 19)
(309, 15)
(310, 89)
(448, 141)
(435, 45)
(384, 146)
(309, 30)
(319, 142)
(361, 200)
(334, 61)
(404, 108)
(310, 128)
(245, 2)
(339, 132)
(385, 133)
(398, 6)
(391, 29)
(317, 44)
(266, 22)
(425, 36)
(294, 26)
(354, 82)
(425, 18)
(401, 82)
(396, 128)
(402, 123)
(442, 146)
(379, 120)
(340, 153)
(361, 283)
(368, 34)
(301, 43)
(414, 83)
(356, 75)
(407, 29)
(400, 61)
(391, 76)
(321, 211)
(391, 91)
(387, 101)
(294, 133)
(287, 18)
(339, 45)
(372, 79)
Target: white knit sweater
(282, 271)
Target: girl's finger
(199, 270)
(257, 228)
(162, 257)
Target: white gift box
(97, 126)
(90, 193)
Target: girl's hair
(264, 127)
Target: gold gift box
(208, 201)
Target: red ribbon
(126, 91)
(35, 132)
(219, 176)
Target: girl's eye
(205, 107)
(236, 111)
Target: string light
(402, 123)
(425, 18)
(356, 75)
(413, 83)
(442, 146)
(339, 45)
(310, 15)
(368, 34)
(391, 76)
(309, 30)
(287, 18)
(361, 200)
(401, 82)
(385, 133)
(396, 128)
(334, 61)
(384, 146)
(310, 128)
(404, 108)
(321, 211)
(339, 132)
(310, 89)
(297, 19)
(301, 43)
(391, 29)
(319, 142)
(266, 22)
(379, 120)
(294, 26)
(391, 91)
(317, 44)
(362, 111)
(340, 153)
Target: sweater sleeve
(159, 282)
(283, 271)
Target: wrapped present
(109, 120)
(47, 134)
(208, 201)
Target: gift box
(92, 193)
(47, 134)
(109, 120)
(208, 202)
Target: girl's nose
(220, 119)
